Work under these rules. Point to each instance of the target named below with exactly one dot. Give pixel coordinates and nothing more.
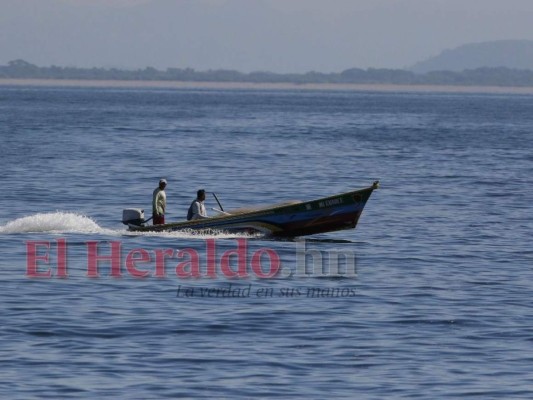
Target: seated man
(197, 208)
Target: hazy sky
(250, 35)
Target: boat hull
(327, 214)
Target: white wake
(68, 222)
(53, 222)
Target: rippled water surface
(439, 301)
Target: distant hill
(513, 54)
(485, 76)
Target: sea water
(434, 300)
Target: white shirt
(198, 210)
(159, 202)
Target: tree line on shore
(501, 76)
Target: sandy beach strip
(263, 86)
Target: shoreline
(263, 86)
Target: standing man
(159, 203)
(197, 208)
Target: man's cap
(163, 181)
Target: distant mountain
(514, 54)
(485, 76)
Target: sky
(252, 35)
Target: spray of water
(68, 222)
(54, 222)
(199, 234)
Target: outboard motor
(133, 216)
